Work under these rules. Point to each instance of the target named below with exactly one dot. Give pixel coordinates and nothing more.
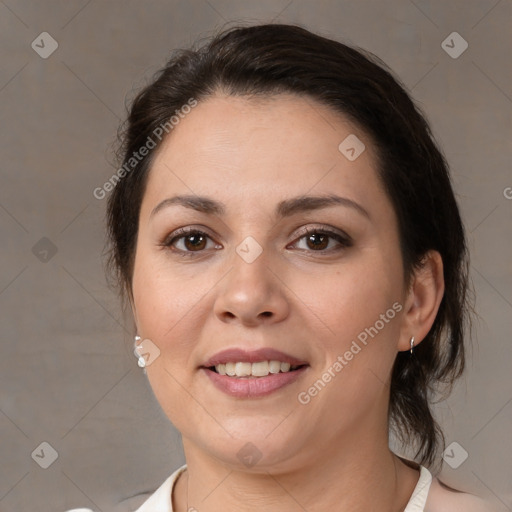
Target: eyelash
(344, 240)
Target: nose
(252, 294)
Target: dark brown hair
(271, 59)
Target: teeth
(285, 367)
(274, 367)
(259, 369)
(243, 369)
(230, 369)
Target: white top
(160, 500)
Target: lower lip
(253, 387)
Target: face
(252, 274)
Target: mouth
(258, 373)
(243, 369)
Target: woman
(285, 231)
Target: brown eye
(194, 242)
(186, 241)
(317, 241)
(324, 241)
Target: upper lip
(236, 355)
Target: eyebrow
(285, 208)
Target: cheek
(167, 307)
(166, 303)
(345, 302)
(360, 314)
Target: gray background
(67, 373)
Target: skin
(250, 154)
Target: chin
(253, 447)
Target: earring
(141, 361)
(412, 344)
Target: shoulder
(442, 498)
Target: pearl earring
(141, 361)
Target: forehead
(254, 149)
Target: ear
(422, 300)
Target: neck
(359, 475)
